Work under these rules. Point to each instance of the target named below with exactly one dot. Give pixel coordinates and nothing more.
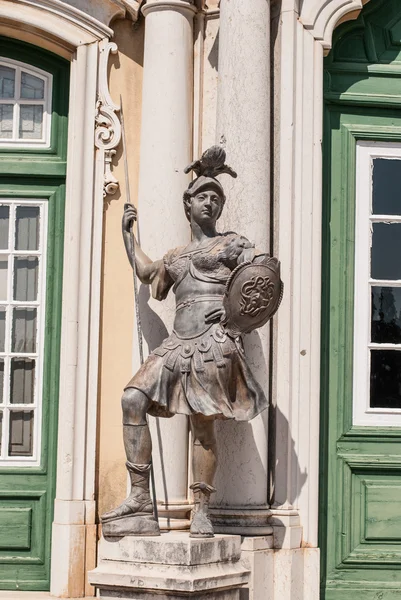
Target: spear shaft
(136, 295)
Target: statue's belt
(211, 346)
(191, 301)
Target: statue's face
(206, 207)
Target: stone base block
(250, 522)
(127, 595)
(173, 565)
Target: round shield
(253, 294)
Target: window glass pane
(7, 82)
(26, 271)
(24, 330)
(386, 251)
(22, 381)
(32, 87)
(386, 315)
(4, 223)
(21, 433)
(385, 379)
(30, 122)
(3, 277)
(2, 328)
(27, 228)
(6, 121)
(386, 186)
(1, 380)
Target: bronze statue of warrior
(223, 288)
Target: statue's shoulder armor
(172, 255)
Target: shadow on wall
(213, 56)
(153, 329)
(278, 462)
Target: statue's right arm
(146, 269)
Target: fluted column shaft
(243, 128)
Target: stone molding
(183, 6)
(72, 25)
(321, 17)
(133, 8)
(108, 126)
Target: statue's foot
(201, 526)
(133, 506)
(133, 525)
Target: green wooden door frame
(38, 174)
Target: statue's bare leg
(204, 463)
(134, 515)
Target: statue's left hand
(214, 316)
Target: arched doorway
(360, 491)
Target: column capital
(183, 6)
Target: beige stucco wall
(117, 312)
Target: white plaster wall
(210, 78)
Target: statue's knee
(207, 442)
(127, 400)
(135, 406)
(204, 435)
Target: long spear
(136, 296)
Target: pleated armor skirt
(207, 374)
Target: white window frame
(363, 414)
(35, 459)
(15, 142)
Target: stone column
(166, 148)
(243, 128)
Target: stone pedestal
(172, 566)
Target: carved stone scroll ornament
(107, 122)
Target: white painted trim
(297, 243)
(75, 405)
(363, 414)
(76, 281)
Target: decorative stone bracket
(107, 122)
(133, 8)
